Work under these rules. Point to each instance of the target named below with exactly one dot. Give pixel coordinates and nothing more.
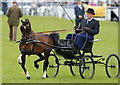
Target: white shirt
(88, 20)
(80, 6)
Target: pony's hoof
(43, 77)
(28, 77)
(19, 63)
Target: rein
(44, 33)
(36, 41)
(57, 31)
(29, 40)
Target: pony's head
(25, 27)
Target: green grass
(13, 73)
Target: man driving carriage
(88, 28)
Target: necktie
(88, 21)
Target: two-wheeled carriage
(79, 63)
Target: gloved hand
(86, 29)
(78, 31)
(75, 27)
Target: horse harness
(32, 39)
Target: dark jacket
(13, 14)
(93, 25)
(79, 11)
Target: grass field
(12, 72)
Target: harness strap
(35, 44)
(33, 47)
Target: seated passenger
(88, 29)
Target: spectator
(33, 8)
(4, 6)
(116, 4)
(93, 3)
(79, 13)
(13, 14)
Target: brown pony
(28, 48)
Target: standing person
(4, 6)
(79, 13)
(90, 27)
(33, 8)
(13, 14)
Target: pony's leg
(22, 60)
(41, 58)
(19, 59)
(45, 69)
(47, 53)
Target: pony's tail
(55, 38)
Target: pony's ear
(27, 20)
(22, 21)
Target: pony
(36, 48)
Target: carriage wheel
(112, 66)
(74, 68)
(53, 66)
(87, 67)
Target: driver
(88, 29)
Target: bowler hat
(90, 10)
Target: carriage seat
(69, 49)
(68, 43)
(88, 46)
